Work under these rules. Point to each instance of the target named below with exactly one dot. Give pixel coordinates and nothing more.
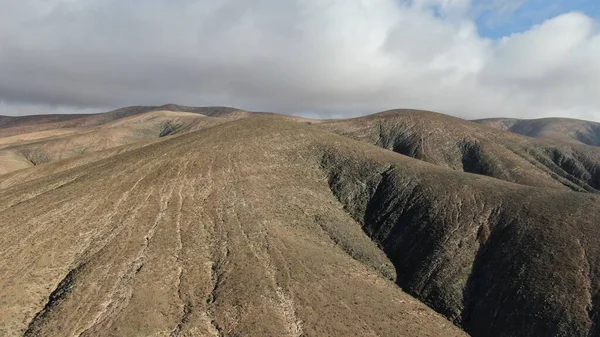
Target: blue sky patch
(496, 19)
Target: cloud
(318, 57)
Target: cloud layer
(315, 57)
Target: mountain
(469, 147)
(402, 223)
(10, 125)
(32, 140)
(228, 231)
(560, 129)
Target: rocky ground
(265, 225)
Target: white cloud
(329, 57)
(543, 49)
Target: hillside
(10, 125)
(276, 226)
(469, 147)
(32, 140)
(560, 129)
(197, 236)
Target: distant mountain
(561, 129)
(32, 140)
(12, 125)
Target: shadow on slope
(498, 259)
(559, 129)
(465, 146)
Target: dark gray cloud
(326, 58)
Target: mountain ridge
(268, 224)
(559, 129)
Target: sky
(318, 58)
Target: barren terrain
(230, 223)
(561, 129)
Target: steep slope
(561, 129)
(231, 231)
(499, 259)
(464, 146)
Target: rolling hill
(402, 223)
(464, 146)
(32, 140)
(560, 129)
